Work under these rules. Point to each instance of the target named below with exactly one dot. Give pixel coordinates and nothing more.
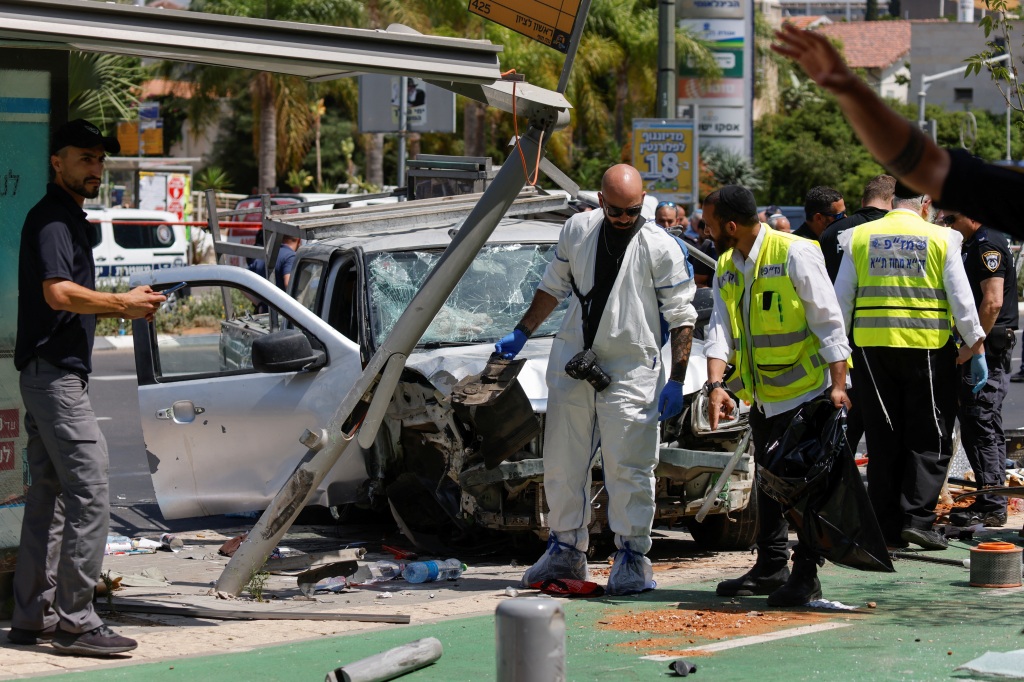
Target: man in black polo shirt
(875, 203)
(993, 279)
(67, 508)
(822, 207)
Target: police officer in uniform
(777, 320)
(990, 271)
(900, 282)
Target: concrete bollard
(530, 640)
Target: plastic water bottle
(429, 571)
(377, 572)
(122, 327)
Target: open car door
(224, 404)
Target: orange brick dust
(697, 626)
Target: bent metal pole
(327, 447)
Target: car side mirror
(286, 351)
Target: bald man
(606, 379)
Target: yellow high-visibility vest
(901, 298)
(779, 356)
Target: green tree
(281, 104)
(812, 144)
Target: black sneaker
(896, 544)
(968, 517)
(803, 586)
(758, 580)
(1017, 377)
(101, 641)
(927, 539)
(24, 637)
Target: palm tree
(281, 103)
(102, 87)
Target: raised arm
(894, 141)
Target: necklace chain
(604, 235)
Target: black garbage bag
(811, 472)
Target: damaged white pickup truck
(458, 454)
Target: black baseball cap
(81, 133)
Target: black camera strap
(608, 260)
(586, 300)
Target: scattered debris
(399, 553)
(231, 546)
(1007, 665)
(384, 595)
(682, 668)
(332, 577)
(872, 605)
(284, 559)
(511, 592)
(147, 577)
(832, 605)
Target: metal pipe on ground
(962, 563)
(389, 664)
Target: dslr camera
(583, 367)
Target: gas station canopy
(307, 50)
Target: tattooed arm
(682, 343)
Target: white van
(131, 240)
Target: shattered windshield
(487, 303)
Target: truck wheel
(719, 533)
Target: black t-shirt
(55, 243)
(985, 192)
(987, 255)
(830, 237)
(611, 247)
(806, 232)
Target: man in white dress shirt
(776, 319)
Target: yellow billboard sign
(666, 156)
(547, 21)
(152, 138)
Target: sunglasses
(666, 203)
(615, 211)
(949, 219)
(835, 216)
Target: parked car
(127, 241)
(223, 437)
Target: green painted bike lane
(928, 620)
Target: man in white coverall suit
(612, 333)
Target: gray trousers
(67, 508)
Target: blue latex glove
(979, 372)
(670, 402)
(510, 344)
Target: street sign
(665, 154)
(547, 21)
(430, 109)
